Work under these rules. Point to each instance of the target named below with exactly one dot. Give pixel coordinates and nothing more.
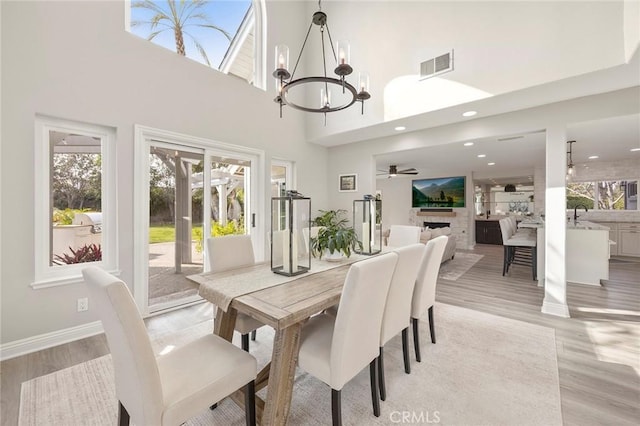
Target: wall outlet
(83, 304)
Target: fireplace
(434, 225)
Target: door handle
(253, 220)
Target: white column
(555, 288)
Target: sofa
(427, 234)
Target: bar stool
(519, 249)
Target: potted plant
(334, 236)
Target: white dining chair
(176, 386)
(232, 252)
(424, 292)
(336, 348)
(397, 310)
(403, 235)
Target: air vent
(435, 66)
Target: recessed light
(468, 144)
(469, 113)
(481, 155)
(593, 157)
(634, 149)
(491, 164)
(400, 128)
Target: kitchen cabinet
(488, 232)
(629, 239)
(613, 236)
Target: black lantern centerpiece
(290, 229)
(367, 223)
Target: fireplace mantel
(443, 214)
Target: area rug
(484, 370)
(459, 265)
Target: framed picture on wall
(348, 183)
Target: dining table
(279, 301)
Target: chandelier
(570, 167)
(286, 81)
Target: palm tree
(180, 15)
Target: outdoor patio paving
(165, 285)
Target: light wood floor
(598, 347)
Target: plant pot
(337, 256)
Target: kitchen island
(586, 252)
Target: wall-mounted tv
(438, 192)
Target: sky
(226, 14)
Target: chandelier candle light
(286, 81)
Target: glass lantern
(290, 230)
(367, 223)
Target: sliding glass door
(193, 192)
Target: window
(603, 195)
(580, 193)
(224, 35)
(618, 195)
(75, 205)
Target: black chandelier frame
(288, 81)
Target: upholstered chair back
(356, 334)
(230, 252)
(424, 293)
(137, 379)
(403, 235)
(398, 307)
(505, 229)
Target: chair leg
(416, 339)
(250, 403)
(123, 415)
(432, 328)
(504, 261)
(373, 372)
(534, 263)
(253, 335)
(336, 408)
(381, 384)
(245, 342)
(405, 351)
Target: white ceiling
(516, 156)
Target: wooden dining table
(284, 306)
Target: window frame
(46, 275)
(596, 199)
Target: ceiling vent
(435, 66)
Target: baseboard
(43, 341)
(556, 309)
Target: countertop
(583, 224)
(496, 218)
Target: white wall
(75, 61)
(499, 47)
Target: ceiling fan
(393, 171)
